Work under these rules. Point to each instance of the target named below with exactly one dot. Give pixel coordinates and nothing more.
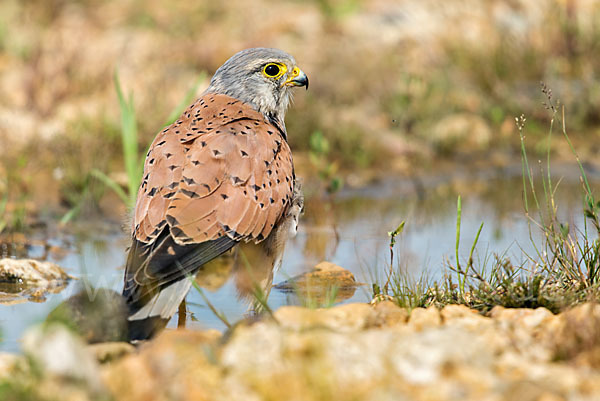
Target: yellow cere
(274, 70)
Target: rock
(32, 272)
(97, 315)
(527, 318)
(387, 314)
(355, 365)
(325, 273)
(108, 352)
(451, 312)
(28, 279)
(577, 336)
(463, 316)
(60, 353)
(421, 318)
(344, 318)
(8, 363)
(325, 281)
(530, 331)
(356, 352)
(177, 365)
(526, 321)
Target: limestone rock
(358, 351)
(32, 272)
(577, 335)
(528, 318)
(451, 312)
(421, 318)
(107, 352)
(323, 281)
(61, 354)
(8, 362)
(177, 365)
(349, 317)
(461, 315)
(387, 314)
(29, 279)
(531, 329)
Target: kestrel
(220, 175)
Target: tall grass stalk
(3, 204)
(129, 144)
(134, 164)
(462, 275)
(563, 270)
(571, 257)
(393, 235)
(129, 140)
(220, 315)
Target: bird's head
(260, 77)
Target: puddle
(352, 233)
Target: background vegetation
(392, 84)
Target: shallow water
(351, 232)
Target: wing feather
(244, 160)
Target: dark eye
(272, 70)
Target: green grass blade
(219, 315)
(109, 182)
(74, 211)
(331, 295)
(581, 169)
(258, 292)
(129, 139)
(3, 204)
(458, 218)
(470, 263)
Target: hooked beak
(297, 78)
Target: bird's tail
(158, 278)
(144, 322)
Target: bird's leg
(182, 315)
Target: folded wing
(219, 175)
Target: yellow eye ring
(274, 70)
